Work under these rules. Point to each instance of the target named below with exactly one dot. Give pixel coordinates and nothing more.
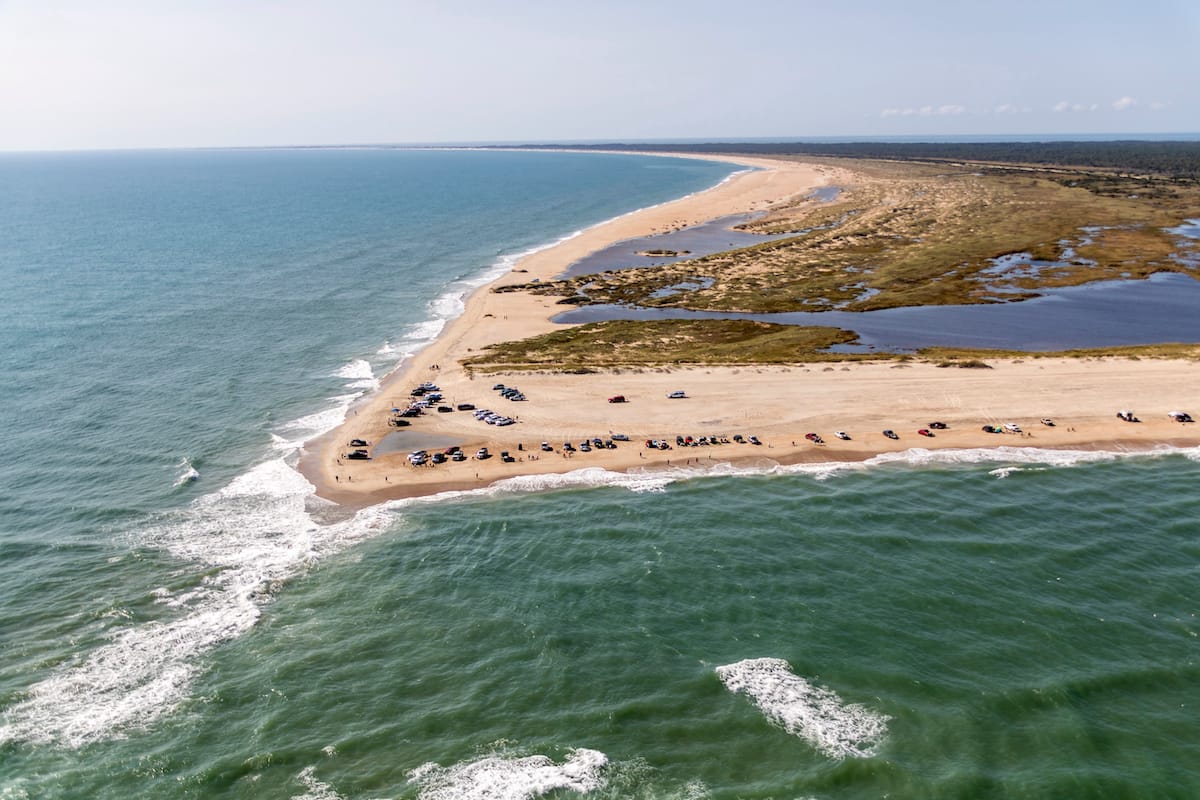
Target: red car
(617, 398)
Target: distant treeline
(1177, 159)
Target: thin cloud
(1124, 104)
(948, 110)
(1063, 106)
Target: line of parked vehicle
(700, 441)
(509, 392)
(492, 418)
(424, 397)
(587, 445)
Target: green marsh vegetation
(902, 233)
(682, 343)
(608, 345)
(909, 234)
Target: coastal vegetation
(606, 345)
(680, 343)
(931, 225)
(908, 234)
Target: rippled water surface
(181, 617)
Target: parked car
(677, 395)
(617, 398)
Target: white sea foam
(656, 479)
(187, 472)
(314, 789)
(920, 457)
(497, 778)
(359, 374)
(315, 424)
(359, 377)
(1015, 457)
(586, 477)
(817, 715)
(249, 537)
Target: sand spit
(779, 405)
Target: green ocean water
(182, 618)
(1022, 631)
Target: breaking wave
(359, 374)
(497, 778)
(817, 715)
(187, 474)
(315, 789)
(657, 479)
(248, 539)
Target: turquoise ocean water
(179, 617)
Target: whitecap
(359, 374)
(187, 474)
(247, 538)
(315, 789)
(314, 424)
(833, 727)
(497, 778)
(635, 481)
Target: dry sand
(778, 404)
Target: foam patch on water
(247, 539)
(314, 424)
(833, 727)
(497, 778)
(1015, 457)
(315, 789)
(359, 374)
(585, 478)
(187, 472)
(657, 479)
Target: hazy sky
(163, 73)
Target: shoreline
(779, 404)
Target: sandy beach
(779, 405)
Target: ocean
(180, 617)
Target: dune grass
(606, 345)
(682, 343)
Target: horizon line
(977, 138)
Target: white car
(679, 395)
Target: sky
(97, 74)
